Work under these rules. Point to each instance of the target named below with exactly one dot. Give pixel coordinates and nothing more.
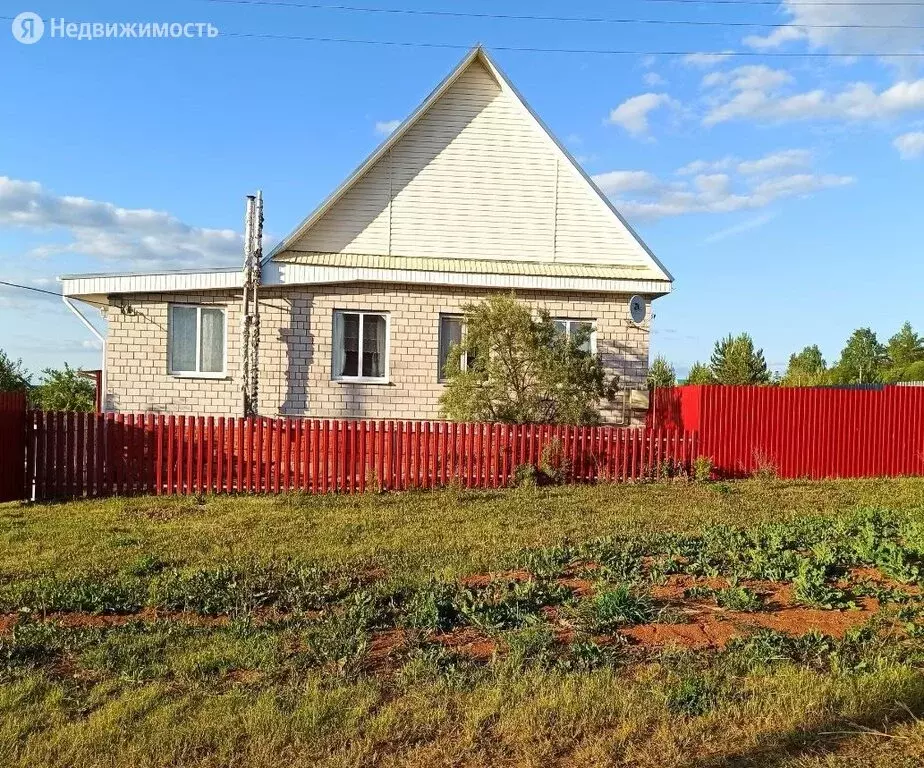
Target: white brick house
(470, 195)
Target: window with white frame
(196, 340)
(451, 332)
(569, 327)
(360, 346)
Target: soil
(712, 626)
(385, 649)
(468, 641)
(703, 625)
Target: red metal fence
(813, 432)
(72, 455)
(12, 444)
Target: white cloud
(386, 127)
(737, 229)
(633, 113)
(137, 237)
(704, 60)
(750, 77)
(775, 39)
(847, 28)
(858, 101)
(619, 182)
(700, 187)
(910, 145)
(777, 161)
(91, 344)
(702, 166)
(653, 79)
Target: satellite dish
(637, 309)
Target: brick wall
(295, 350)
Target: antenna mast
(250, 309)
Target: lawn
(751, 623)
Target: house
(470, 195)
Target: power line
(807, 3)
(601, 51)
(532, 17)
(49, 293)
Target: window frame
(197, 373)
(568, 321)
(440, 376)
(360, 379)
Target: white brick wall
(295, 351)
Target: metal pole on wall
(250, 309)
(257, 252)
(245, 307)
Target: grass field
(756, 623)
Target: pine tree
(700, 373)
(661, 374)
(736, 361)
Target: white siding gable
(475, 176)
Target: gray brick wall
(295, 350)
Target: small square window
(360, 347)
(569, 327)
(196, 340)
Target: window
(196, 341)
(569, 327)
(360, 347)
(451, 332)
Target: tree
(806, 369)
(913, 372)
(661, 374)
(862, 359)
(521, 368)
(904, 349)
(64, 390)
(735, 361)
(13, 377)
(700, 373)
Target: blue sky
(784, 193)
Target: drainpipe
(102, 387)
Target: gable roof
(581, 183)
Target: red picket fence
(73, 455)
(12, 444)
(814, 432)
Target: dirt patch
(385, 649)
(580, 587)
(468, 641)
(244, 676)
(711, 633)
(675, 586)
(484, 579)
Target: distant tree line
(59, 389)
(863, 360)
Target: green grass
(277, 654)
(446, 534)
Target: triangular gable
(473, 173)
